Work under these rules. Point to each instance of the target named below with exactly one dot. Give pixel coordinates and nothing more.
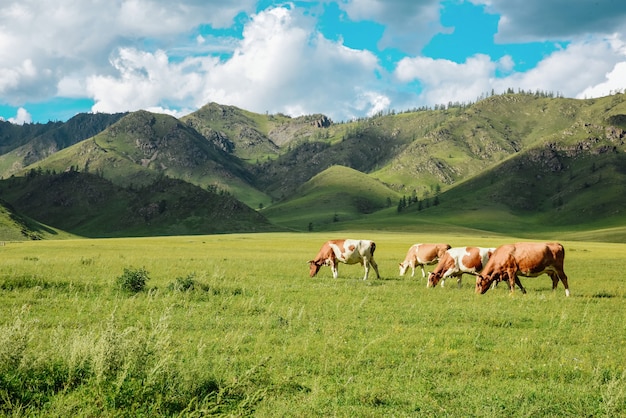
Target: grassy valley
(199, 302)
(232, 325)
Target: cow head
(483, 283)
(403, 268)
(433, 279)
(314, 267)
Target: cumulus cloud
(444, 81)
(154, 55)
(614, 83)
(409, 24)
(540, 20)
(21, 117)
(280, 65)
(160, 17)
(571, 70)
(75, 38)
(143, 80)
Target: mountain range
(523, 163)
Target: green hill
(143, 146)
(543, 189)
(362, 146)
(37, 144)
(234, 130)
(252, 136)
(469, 140)
(517, 163)
(335, 195)
(525, 163)
(91, 206)
(16, 227)
(13, 136)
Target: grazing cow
(459, 260)
(421, 255)
(524, 259)
(348, 251)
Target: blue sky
(345, 58)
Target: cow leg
(511, 282)
(514, 280)
(423, 271)
(555, 280)
(334, 268)
(366, 266)
(517, 282)
(564, 281)
(373, 263)
(563, 277)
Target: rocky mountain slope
(35, 142)
(531, 154)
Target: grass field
(232, 325)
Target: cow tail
(373, 248)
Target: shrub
(133, 281)
(183, 284)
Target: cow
(348, 251)
(421, 255)
(527, 259)
(457, 261)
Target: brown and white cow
(421, 255)
(348, 251)
(457, 261)
(526, 259)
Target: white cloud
(446, 81)
(588, 69)
(372, 103)
(611, 77)
(150, 54)
(540, 20)
(24, 80)
(615, 83)
(280, 65)
(74, 38)
(569, 71)
(160, 17)
(409, 24)
(21, 117)
(144, 80)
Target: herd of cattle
(489, 265)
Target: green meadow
(231, 325)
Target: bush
(183, 284)
(133, 281)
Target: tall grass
(233, 325)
